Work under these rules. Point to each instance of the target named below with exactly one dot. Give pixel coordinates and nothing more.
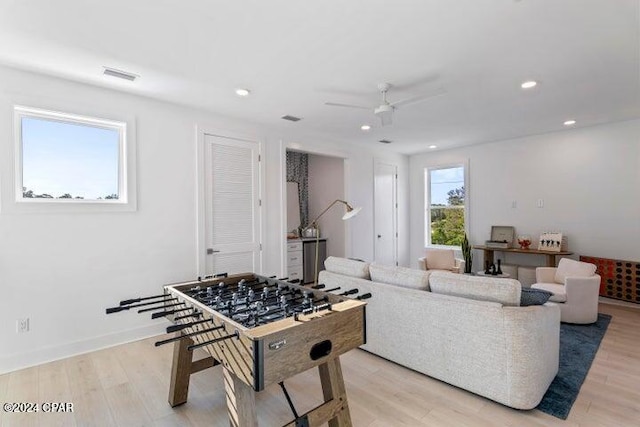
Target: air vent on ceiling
(385, 141)
(291, 118)
(120, 74)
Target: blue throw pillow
(533, 297)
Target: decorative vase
(524, 241)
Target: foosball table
(261, 330)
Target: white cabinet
(294, 260)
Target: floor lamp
(350, 213)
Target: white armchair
(441, 259)
(575, 288)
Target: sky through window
(64, 158)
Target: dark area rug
(578, 347)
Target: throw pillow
(533, 297)
(440, 259)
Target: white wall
(63, 270)
(588, 179)
(326, 184)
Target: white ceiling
(295, 55)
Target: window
(65, 158)
(446, 202)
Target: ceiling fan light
(365, 127)
(529, 84)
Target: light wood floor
(127, 386)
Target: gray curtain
(298, 171)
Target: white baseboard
(18, 361)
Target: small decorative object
(524, 241)
(499, 270)
(487, 267)
(466, 254)
(492, 270)
(311, 232)
(501, 237)
(550, 241)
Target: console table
(549, 255)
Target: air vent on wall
(385, 141)
(120, 74)
(291, 118)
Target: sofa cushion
(534, 297)
(559, 291)
(503, 291)
(400, 276)
(571, 268)
(348, 267)
(440, 259)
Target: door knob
(211, 251)
(379, 236)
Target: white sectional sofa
(464, 330)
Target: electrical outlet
(22, 325)
(514, 204)
(540, 203)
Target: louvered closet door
(232, 204)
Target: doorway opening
(313, 182)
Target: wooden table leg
(551, 260)
(180, 372)
(488, 256)
(333, 388)
(241, 401)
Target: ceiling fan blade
(417, 83)
(335, 104)
(418, 98)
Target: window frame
(427, 203)
(127, 197)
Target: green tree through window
(446, 207)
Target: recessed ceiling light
(433, 146)
(529, 84)
(365, 127)
(242, 92)
(570, 123)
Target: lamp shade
(351, 212)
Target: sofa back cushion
(440, 259)
(482, 288)
(347, 267)
(400, 276)
(571, 268)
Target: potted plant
(466, 254)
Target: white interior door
(385, 214)
(232, 203)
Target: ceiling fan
(385, 110)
